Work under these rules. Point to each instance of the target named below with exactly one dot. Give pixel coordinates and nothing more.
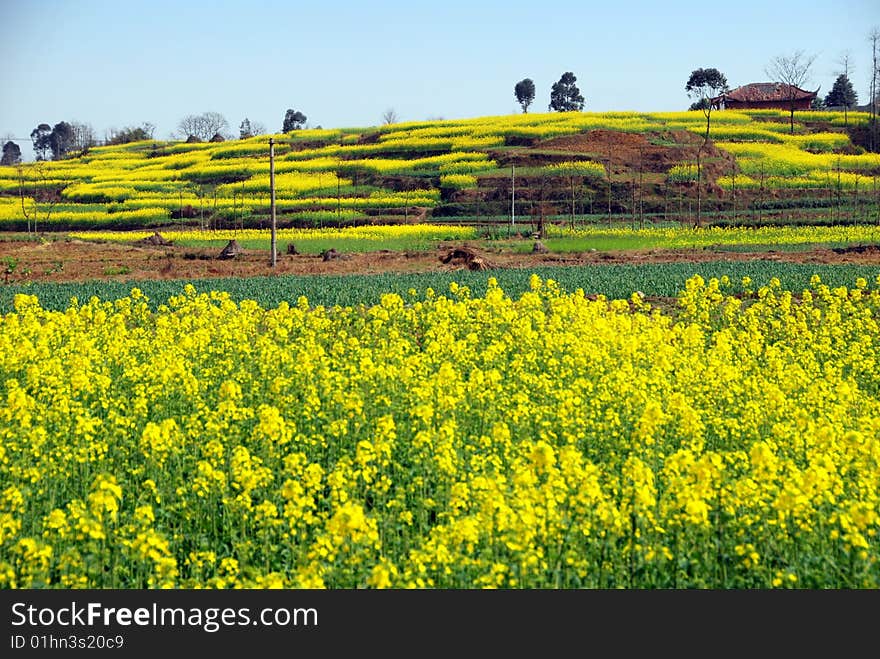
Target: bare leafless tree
(390, 116)
(846, 67)
(42, 199)
(249, 128)
(793, 71)
(203, 126)
(83, 137)
(191, 127)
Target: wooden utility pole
(761, 195)
(699, 189)
(633, 203)
(272, 199)
(641, 188)
(512, 195)
(733, 176)
(876, 200)
(874, 38)
(608, 173)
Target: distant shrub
(131, 134)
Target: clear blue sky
(112, 64)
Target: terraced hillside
(573, 163)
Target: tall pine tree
(524, 91)
(565, 95)
(842, 94)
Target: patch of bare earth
(61, 261)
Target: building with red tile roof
(761, 95)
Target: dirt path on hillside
(68, 261)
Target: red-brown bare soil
(67, 261)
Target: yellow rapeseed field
(444, 441)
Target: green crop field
(612, 281)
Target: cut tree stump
(467, 257)
(231, 250)
(156, 239)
